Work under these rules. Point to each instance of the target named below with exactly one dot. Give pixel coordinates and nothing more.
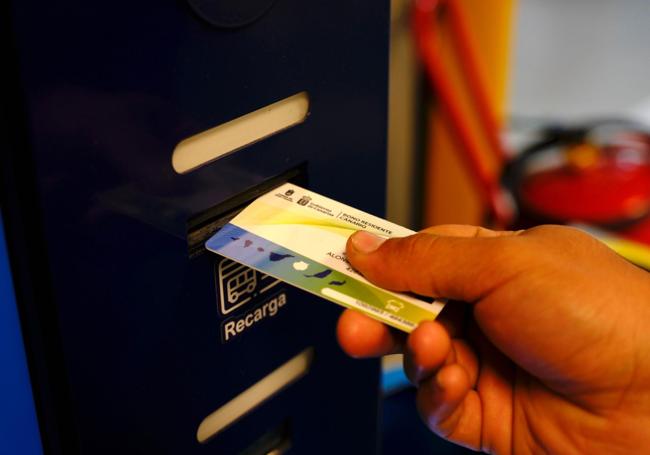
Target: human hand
(554, 356)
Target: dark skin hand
(550, 354)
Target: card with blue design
(299, 236)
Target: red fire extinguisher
(596, 174)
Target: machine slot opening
(222, 140)
(255, 395)
(203, 225)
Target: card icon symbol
(394, 305)
(304, 200)
(244, 282)
(239, 284)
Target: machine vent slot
(217, 142)
(255, 395)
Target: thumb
(463, 263)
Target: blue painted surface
(18, 424)
(109, 90)
(393, 380)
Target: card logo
(394, 305)
(286, 195)
(304, 200)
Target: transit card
(299, 236)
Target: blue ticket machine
(136, 339)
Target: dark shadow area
(404, 432)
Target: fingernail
(365, 242)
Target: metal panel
(18, 426)
(108, 90)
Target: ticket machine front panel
(136, 335)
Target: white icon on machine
(244, 282)
(238, 284)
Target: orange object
(466, 154)
(582, 156)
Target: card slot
(202, 226)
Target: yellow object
(451, 195)
(636, 253)
(582, 156)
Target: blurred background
(502, 113)
(511, 113)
